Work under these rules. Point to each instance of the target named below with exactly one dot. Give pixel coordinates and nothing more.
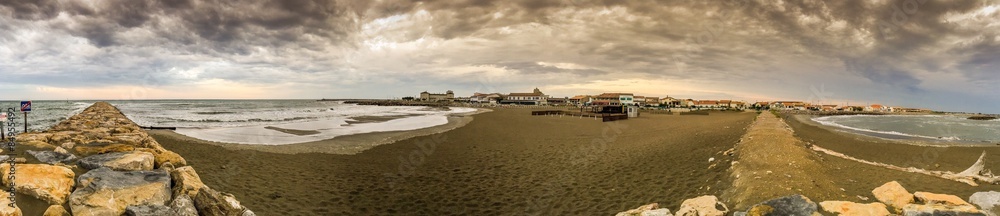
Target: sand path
(772, 162)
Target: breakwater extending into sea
(99, 162)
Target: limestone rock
(651, 209)
(119, 161)
(789, 205)
(934, 209)
(33, 136)
(894, 195)
(214, 203)
(940, 199)
(52, 157)
(107, 192)
(37, 144)
(702, 206)
(5, 208)
(845, 208)
(56, 210)
(987, 202)
(94, 148)
(148, 210)
(60, 137)
(186, 181)
(46, 182)
(162, 156)
(184, 206)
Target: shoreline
(343, 145)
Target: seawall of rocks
(893, 199)
(99, 162)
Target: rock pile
(125, 172)
(893, 199)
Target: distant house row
(799, 105)
(536, 97)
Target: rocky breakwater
(892, 198)
(99, 162)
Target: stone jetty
(99, 162)
(892, 199)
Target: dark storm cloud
(893, 43)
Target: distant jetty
(377, 102)
(982, 118)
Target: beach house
(485, 98)
(615, 99)
(706, 104)
(875, 108)
(639, 100)
(581, 100)
(447, 96)
(652, 101)
(536, 97)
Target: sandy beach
(507, 162)
(504, 162)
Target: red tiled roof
(525, 94)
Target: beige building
(536, 97)
(447, 96)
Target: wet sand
(504, 162)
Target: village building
(653, 101)
(615, 99)
(639, 100)
(557, 101)
(492, 98)
(447, 96)
(536, 97)
(580, 100)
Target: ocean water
(934, 127)
(44, 114)
(245, 121)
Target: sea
(944, 128)
(247, 121)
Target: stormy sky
(935, 54)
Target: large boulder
(162, 156)
(186, 181)
(104, 191)
(6, 207)
(93, 148)
(940, 204)
(183, 205)
(214, 203)
(119, 161)
(789, 205)
(48, 183)
(53, 157)
(940, 199)
(148, 210)
(56, 210)
(845, 208)
(651, 209)
(702, 206)
(894, 195)
(987, 202)
(929, 210)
